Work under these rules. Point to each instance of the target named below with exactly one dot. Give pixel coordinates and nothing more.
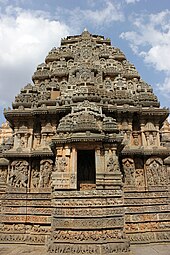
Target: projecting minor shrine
(87, 169)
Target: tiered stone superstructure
(88, 169)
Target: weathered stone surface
(154, 249)
(87, 168)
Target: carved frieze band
(89, 248)
(88, 202)
(87, 223)
(87, 235)
(88, 212)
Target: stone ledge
(151, 249)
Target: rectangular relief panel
(65, 171)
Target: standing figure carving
(62, 164)
(45, 172)
(139, 173)
(35, 175)
(19, 174)
(129, 170)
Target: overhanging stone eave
(136, 108)
(13, 154)
(146, 151)
(87, 138)
(16, 154)
(9, 114)
(39, 153)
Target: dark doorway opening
(86, 171)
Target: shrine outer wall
(26, 211)
(85, 97)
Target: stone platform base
(116, 248)
(18, 249)
(22, 249)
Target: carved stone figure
(156, 173)
(19, 174)
(45, 172)
(35, 175)
(113, 165)
(129, 170)
(62, 164)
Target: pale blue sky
(30, 28)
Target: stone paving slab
(19, 249)
(151, 249)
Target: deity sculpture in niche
(35, 178)
(22, 139)
(139, 173)
(108, 84)
(3, 174)
(19, 174)
(113, 165)
(156, 174)
(46, 167)
(35, 175)
(150, 134)
(62, 164)
(129, 170)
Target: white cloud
(111, 12)
(151, 40)
(25, 39)
(131, 1)
(165, 87)
(101, 13)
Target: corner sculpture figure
(86, 170)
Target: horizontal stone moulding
(88, 223)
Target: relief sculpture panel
(156, 172)
(46, 167)
(129, 171)
(18, 176)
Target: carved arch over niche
(129, 171)
(156, 173)
(150, 132)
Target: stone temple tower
(88, 169)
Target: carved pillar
(30, 140)
(29, 175)
(157, 135)
(15, 139)
(143, 135)
(73, 182)
(99, 161)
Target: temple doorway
(86, 170)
